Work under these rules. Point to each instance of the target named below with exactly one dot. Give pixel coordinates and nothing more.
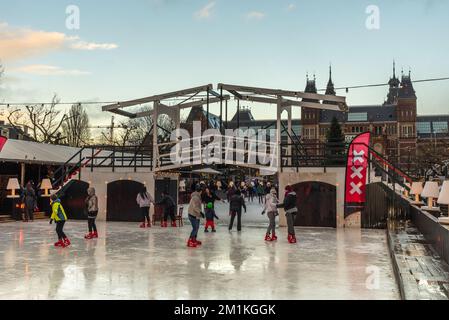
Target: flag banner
(2, 142)
(356, 170)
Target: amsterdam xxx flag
(356, 170)
(2, 142)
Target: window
(423, 127)
(358, 116)
(440, 127)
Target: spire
(394, 69)
(330, 89)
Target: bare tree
(135, 131)
(44, 120)
(75, 129)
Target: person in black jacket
(169, 209)
(291, 210)
(235, 209)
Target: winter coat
(271, 202)
(236, 203)
(144, 202)
(91, 201)
(210, 199)
(195, 205)
(168, 203)
(57, 211)
(29, 198)
(289, 203)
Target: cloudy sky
(125, 50)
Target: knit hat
(210, 205)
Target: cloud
(255, 15)
(205, 12)
(46, 70)
(291, 7)
(18, 43)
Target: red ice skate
(149, 225)
(268, 238)
(89, 236)
(142, 225)
(198, 243)
(191, 243)
(67, 242)
(173, 224)
(59, 243)
(274, 237)
(95, 235)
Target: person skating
(291, 210)
(144, 200)
(169, 209)
(235, 209)
(271, 202)
(209, 197)
(30, 202)
(92, 212)
(59, 217)
(195, 214)
(210, 216)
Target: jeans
(29, 213)
(145, 214)
(291, 222)
(59, 232)
(195, 226)
(169, 213)
(239, 220)
(272, 225)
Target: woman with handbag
(92, 211)
(271, 201)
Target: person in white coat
(271, 201)
(144, 200)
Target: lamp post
(416, 190)
(12, 186)
(431, 191)
(443, 198)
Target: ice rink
(127, 262)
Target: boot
(206, 230)
(88, 236)
(67, 242)
(164, 224)
(213, 230)
(173, 224)
(268, 238)
(142, 225)
(198, 243)
(59, 243)
(274, 237)
(289, 238)
(95, 235)
(293, 238)
(191, 243)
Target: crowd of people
(202, 204)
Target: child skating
(271, 202)
(59, 217)
(210, 216)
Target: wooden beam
(283, 93)
(158, 97)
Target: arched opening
(73, 199)
(316, 204)
(121, 201)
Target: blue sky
(143, 47)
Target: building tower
(310, 118)
(394, 84)
(406, 110)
